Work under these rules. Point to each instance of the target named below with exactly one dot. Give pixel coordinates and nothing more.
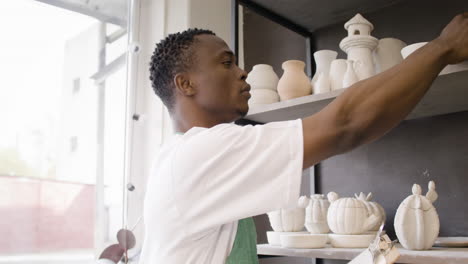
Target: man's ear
(184, 85)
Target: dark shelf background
(416, 151)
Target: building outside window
(62, 136)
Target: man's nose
(243, 74)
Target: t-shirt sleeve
(229, 172)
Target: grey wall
(266, 42)
(416, 151)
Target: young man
(214, 173)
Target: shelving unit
(399, 155)
(447, 95)
(433, 256)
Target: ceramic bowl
(274, 237)
(351, 241)
(303, 240)
(463, 66)
(406, 51)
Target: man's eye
(227, 63)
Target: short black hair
(171, 56)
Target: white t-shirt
(206, 180)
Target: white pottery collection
(263, 96)
(416, 220)
(366, 56)
(262, 76)
(373, 208)
(355, 222)
(316, 214)
(321, 79)
(359, 45)
(289, 220)
(349, 216)
(338, 69)
(263, 82)
(388, 53)
(350, 76)
(294, 82)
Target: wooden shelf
(448, 94)
(433, 256)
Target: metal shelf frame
(309, 36)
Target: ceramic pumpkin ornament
(416, 221)
(289, 220)
(348, 216)
(316, 214)
(372, 208)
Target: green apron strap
(244, 250)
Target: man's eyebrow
(226, 52)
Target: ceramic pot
(348, 216)
(323, 59)
(337, 71)
(294, 82)
(263, 96)
(372, 208)
(463, 66)
(289, 220)
(262, 76)
(322, 85)
(350, 76)
(316, 214)
(388, 53)
(416, 220)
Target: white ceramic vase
(322, 85)
(323, 60)
(416, 220)
(348, 216)
(372, 208)
(316, 214)
(388, 53)
(289, 220)
(294, 82)
(263, 96)
(337, 71)
(262, 76)
(349, 77)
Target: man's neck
(184, 119)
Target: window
(62, 138)
(76, 85)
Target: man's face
(219, 82)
